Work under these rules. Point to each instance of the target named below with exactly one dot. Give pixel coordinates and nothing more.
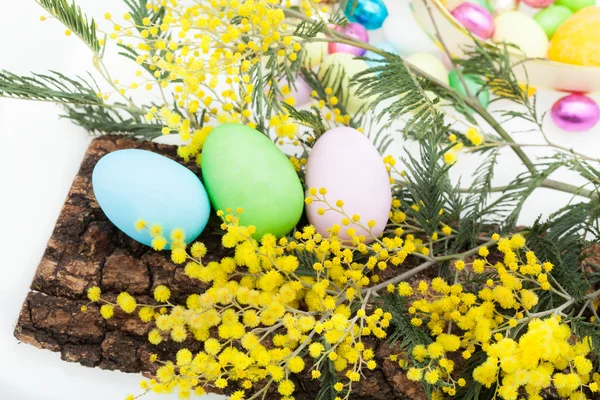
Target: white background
(40, 154)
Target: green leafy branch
(54, 87)
(73, 18)
(99, 119)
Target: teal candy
(242, 167)
(132, 184)
(550, 18)
(474, 83)
(375, 57)
(575, 5)
(368, 13)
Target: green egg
(550, 18)
(575, 5)
(242, 167)
(474, 83)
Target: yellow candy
(577, 40)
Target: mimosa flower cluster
(545, 355)
(277, 307)
(206, 57)
(280, 307)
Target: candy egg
(338, 65)
(474, 83)
(299, 90)
(368, 13)
(354, 30)
(314, 52)
(576, 5)
(575, 113)
(521, 30)
(132, 184)
(242, 167)
(345, 162)
(538, 3)
(577, 40)
(475, 18)
(551, 18)
(429, 64)
(375, 57)
(505, 5)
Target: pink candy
(476, 19)
(354, 30)
(575, 113)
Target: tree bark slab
(86, 249)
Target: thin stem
(400, 277)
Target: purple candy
(476, 19)
(354, 30)
(575, 113)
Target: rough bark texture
(86, 250)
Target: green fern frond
(73, 18)
(403, 331)
(54, 87)
(100, 120)
(392, 82)
(428, 181)
(327, 380)
(309, 118)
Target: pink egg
(538, 3)
(354, 30)
(345, 162)
(476, 19)
(575, 113)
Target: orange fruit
(577, 40)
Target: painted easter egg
(387, 47)
(368, 13)
(429, 64)
(551, 18)
(577, 40)
(519, 29)
(337, 71)
(474, 83)
(132, 184)
(299, 90)
(242, 168)
(575, 113)
(576, 5)
(355, 31)
(314, 52)
(345, 162)
(477, 19)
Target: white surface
(40, 155)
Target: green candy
(474, 83)
(242, 167)
(483, 3)
(575, 5)
(551, 18)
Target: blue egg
(132, 184)
(368, 13)
(374, 56)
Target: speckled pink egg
(345, 162)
